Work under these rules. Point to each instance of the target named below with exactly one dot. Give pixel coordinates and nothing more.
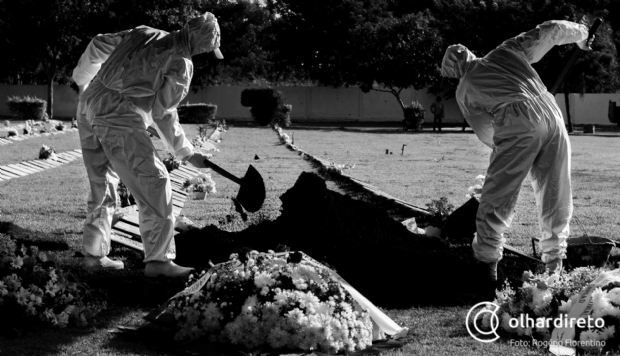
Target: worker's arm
(537, 42)
(481, 122)
(165, 116)
(97, 52)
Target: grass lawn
(435, 165)
(49, 207)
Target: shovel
(251, 187)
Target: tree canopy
(373, 44)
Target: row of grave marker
(10, 139)
(22, 169)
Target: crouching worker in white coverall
(141, 76)
(509, 108)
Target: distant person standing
(437, 110)
(465, 124)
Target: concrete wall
(324, 103)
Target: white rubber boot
(101, 263)
(167, 269)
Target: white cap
(218, 53)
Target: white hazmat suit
(509, 108)
(140, 76)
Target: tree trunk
(50, 96)
(566, 101)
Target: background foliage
(375, 44)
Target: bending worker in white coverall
(509, 108)
(141, 76)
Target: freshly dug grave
(377, 255)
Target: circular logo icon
(483, 335)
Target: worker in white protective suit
(140, 76)
(509, 108)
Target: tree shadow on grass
(85, 341)
(53, 242)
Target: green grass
(51, 205)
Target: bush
(267, 106)
(197, 113)
(28, 108)
(414, 110)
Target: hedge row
(197, 113)
(28, 108)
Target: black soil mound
(377, 255)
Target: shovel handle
(571, 62)
(207, 163)
(222, 171)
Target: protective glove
(585, 44)
(198, 159)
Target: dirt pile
(388, 264)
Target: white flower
(541, 298)
(566, 306)
(589, 341)
(608, 332)
(250, 305)
(601, 305)
(614, 296)
(263, 279)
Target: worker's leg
(517, 142)
(551, 181)
(102, 201)
(434, 122)
(134, 157)
(439, 122)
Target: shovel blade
(251, 190)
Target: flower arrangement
(280, 301)
(171, 162)
(199, 186)
(414, 116)
(548, 299)
(335, 168)
(475, 191)
(284, 138)
(200, 142)
(47, 152)
(33, 288)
